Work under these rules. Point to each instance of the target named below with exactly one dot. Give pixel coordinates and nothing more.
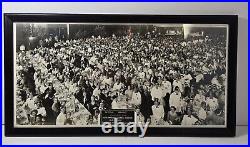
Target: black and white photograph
(169, 75)
(124, 73)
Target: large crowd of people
(165, 79)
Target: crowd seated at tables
(166, 80)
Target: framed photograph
(120, 75)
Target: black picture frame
(10, 18)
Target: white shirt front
(150, 72)
(41, 111)
(156, 93)
(30, 103)
(202, 114)
(142, 75)
(117, 86)
(179, 84)
(96, 92)
(158, 112)
(139, 118)
(128, 93)
(136, 98)
(188, 78)
(61, 118)
(118, 105)
(167, 87)
(215, 82)
(92, 60)
(108, 81)
(199, 77)
(187, 121)
(175, 100)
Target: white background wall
(167, 9)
